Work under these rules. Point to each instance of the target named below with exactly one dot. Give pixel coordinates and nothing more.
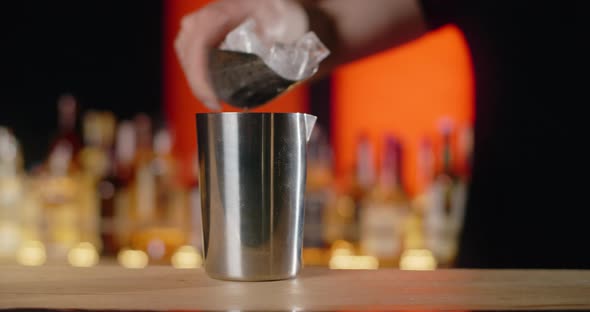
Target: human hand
(277, 20)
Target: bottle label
(380, 230)
(146, 190)
(315, 202)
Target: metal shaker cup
(252, 178)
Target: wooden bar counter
(165, 288)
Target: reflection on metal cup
(252, 177)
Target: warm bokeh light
(348, 262)
(83, 255)
(342, 257)
(342, 248)
(417, 260)
(132, 259)
(31, 253)
(187, 257)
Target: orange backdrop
(403, 91)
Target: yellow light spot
(342, 247)
(132, 259)
(187, 257)
(83, 255)
(346, 262)
(418, 260)
(31, 253)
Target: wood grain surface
(165, 288)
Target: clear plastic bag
(248, 71)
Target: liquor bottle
(168, 228)
(97, 181)
(143, 188)
(415, 236)
(93, 163)
(172, 199)
(124, 157)
(339, 218)
(12, 192)
(416, 255)
(20, 215)
(364, 181)
(464, 152)
(58, 183)
(107, 186)
(341, 215)
(190, 255)
(318, 194)
(60, 201)
(384, 209)
(67, 109)
(448, 199)
(31, 251)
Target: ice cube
(244, 39)
(296, 61)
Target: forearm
(353, 29)
(350, 28)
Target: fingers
(191, 49)
(201, 31)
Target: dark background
(106, 53)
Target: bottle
(170, 204)
(341, 215)
(20, 212)
(60, 192)
(59, 188)
(67, 109)
(416, 255)
(364, 181)
(12, 192)
(93, 163)
(338, 217)
(318, 194)
(384, 209)
(422, 202)
(107, 187)
(170, 229)
(124, 157)
(464, 152)
(448, 198)
(98, 181)
(143, 188)
(190, 255)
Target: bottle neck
(426, 165)
(60, 159)
(67, 109)
(390, 175)
(447, 155)
(365, 170)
